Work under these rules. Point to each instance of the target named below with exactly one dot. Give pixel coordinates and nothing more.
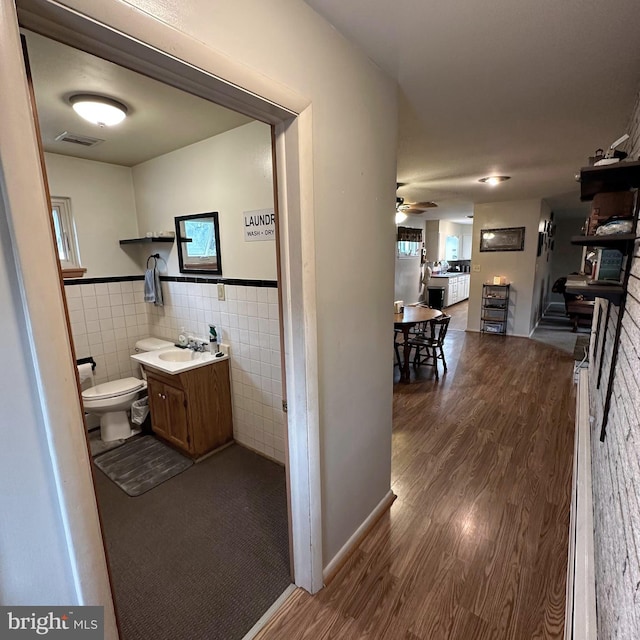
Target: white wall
(541, 284)
(104, 210)
(517, 266)
(354, 119)
(34, 562)
(229, 173)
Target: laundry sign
(259, 225)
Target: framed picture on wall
(507, 239)
(540, 243)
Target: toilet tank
(150, 344)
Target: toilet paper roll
(85, 372)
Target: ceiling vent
(75, 138)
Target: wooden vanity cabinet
(192, 410)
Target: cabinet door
(464, 287)
(466, 246)
(157, 406)
(451, 248)
(453, 291)
(168, 407)
(177, 413)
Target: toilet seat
(114, 389)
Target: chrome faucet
(195, 344)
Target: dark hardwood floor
(475, 546)
(458, 313)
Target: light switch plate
(476, 268)
(220, 291)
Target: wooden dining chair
(429, 346)
(398, 342)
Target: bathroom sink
(179, 355)
(174, 361)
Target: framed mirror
(198, 239)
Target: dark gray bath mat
(142, 464)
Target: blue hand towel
(152, 288)
(159, 302)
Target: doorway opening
(179, 541)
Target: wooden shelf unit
(495, 308)
(621, 176)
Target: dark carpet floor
(555, 329)
(203, 555)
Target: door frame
(127, 36)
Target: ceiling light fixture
(494, 180)
(401, 216)
(99, 110)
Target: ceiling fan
(412, 207)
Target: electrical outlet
(476, 268)
(220, 291)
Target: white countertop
(449, 274)
(200, 359)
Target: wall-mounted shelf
(620, 176)
(620, 241)
(147, 240)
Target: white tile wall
(107, 319)
(106, 327)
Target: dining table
(405, 321)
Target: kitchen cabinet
(466, 282)
(446, 240)
(192, 410)
(467, 240)
(456, 287)
(451, 248)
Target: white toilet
(111, 400)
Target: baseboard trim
(580, 608)
(340, 559)
(269, 613)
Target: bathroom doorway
(113, 200)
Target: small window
(409, 242)
(198, 239)
(66, 239)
